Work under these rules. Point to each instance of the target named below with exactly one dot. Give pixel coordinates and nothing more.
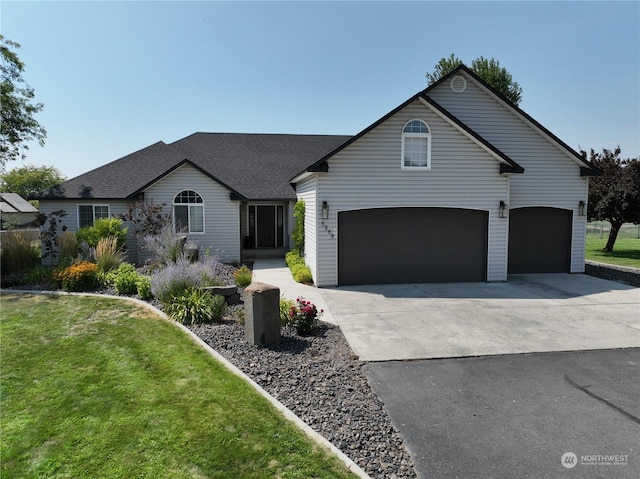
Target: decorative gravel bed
(322, 382)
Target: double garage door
(412, 245)
(443, 245)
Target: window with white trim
(188, 212)
(416, 145)
(88, 214)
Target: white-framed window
(188, 212)
(416, 145)
(88, 214)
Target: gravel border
(321, 381)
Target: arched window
(188, 212)
(416, 145)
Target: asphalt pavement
(544, 415)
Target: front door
(266, 226)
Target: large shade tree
(18, 127)
(615, 195)
(30, 179)
(489, 70)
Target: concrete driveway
(529, 313)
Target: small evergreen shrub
(196, 306)
(78, 277)
(301, 273)
(143, 286)
(243, 276)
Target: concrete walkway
(275, 272)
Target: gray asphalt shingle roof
(256, 166)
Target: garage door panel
(539, 240)
(411, 245)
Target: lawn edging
(285, 411)
(625, 274)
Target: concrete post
(262, 314)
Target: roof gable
(587, 168)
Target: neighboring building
(455, 184)
(15, 211)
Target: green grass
(626, 251)
(94, 387)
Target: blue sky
(116, 77)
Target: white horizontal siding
(221, 215)
(551, 177)
(306, 191)
(368, 174)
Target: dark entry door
(539, 240)
(266, 226)
(412, 245)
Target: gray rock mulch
(322, 382)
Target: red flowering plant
(303, 316)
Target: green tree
(489, 70)
(615, 195)
(18, 126)
(30, 179)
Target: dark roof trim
(510, 167)
(590, 171)
(587, 164)
(174, 168)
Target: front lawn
(94, 387)
(626, 251)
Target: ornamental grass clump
(20, 251)
(303, 316)
(78, 277)
(108, 254)
(196, 306)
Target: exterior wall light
(325, 210)
(503, 211)
(582, 208)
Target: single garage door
(539, 240)
(412, 245)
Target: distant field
(626, 251)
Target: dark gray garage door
(412, 245)
(539, 240)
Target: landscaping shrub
(108, 255)
(20, 251)
(175, 278)
(243, 276)
(301, 273)
(303, 316)
(126, 282)
(103, 228)
(293, 257)
(78, 277)
(39, 275)
(143, 286)
(297, 234)
(110, 277)
(164, 246)
(69, 245)
(196, 306)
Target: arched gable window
(416, 145)
(188, 212)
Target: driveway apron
(529, 313)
